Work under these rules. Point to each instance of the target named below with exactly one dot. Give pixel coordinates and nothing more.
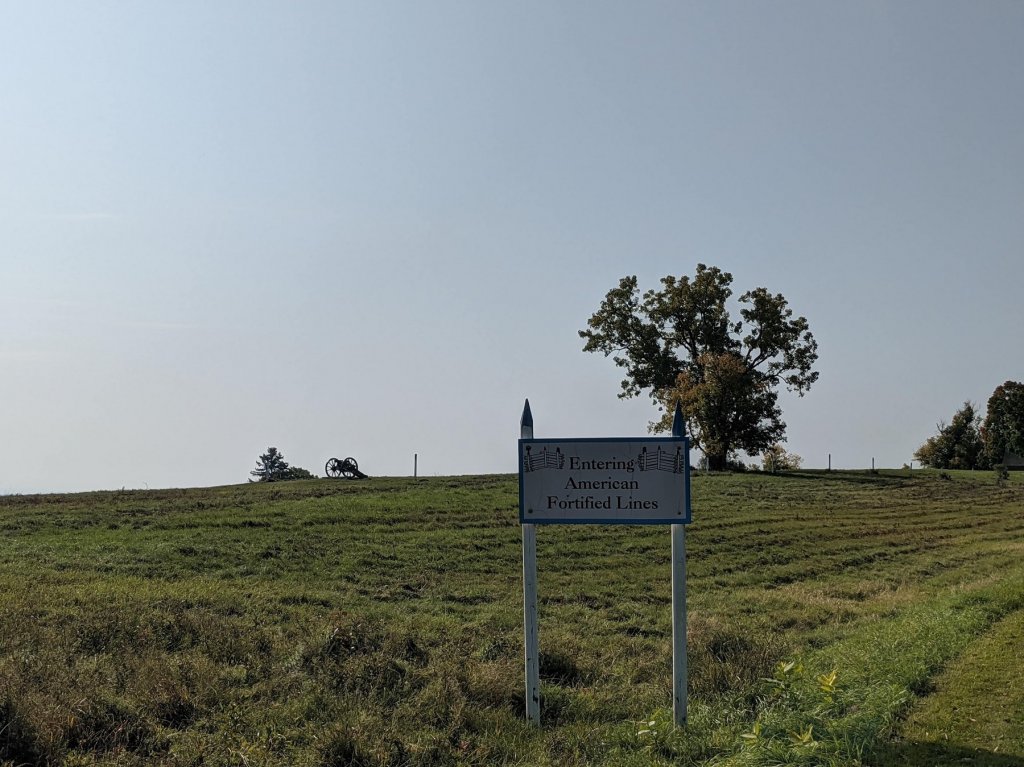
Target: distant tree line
(968, 442)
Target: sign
(641, 481)
(633, 481)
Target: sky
(373, 229)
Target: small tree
(958, 445)
(776, 459)
(271, 466)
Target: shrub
(776, 459)
(296, 472)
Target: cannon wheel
(334, 468)
(350, 468)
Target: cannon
(343, 467)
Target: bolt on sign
(630, 481)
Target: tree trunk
(717, 461)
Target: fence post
(531, 639)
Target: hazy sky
(372, 229)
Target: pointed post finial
(678, 422)
(526, 422)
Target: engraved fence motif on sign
(543, 459)
(660, 460)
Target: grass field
(835, 618)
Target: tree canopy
(957, 445)
(1003, 429)
(680, 344)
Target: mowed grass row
(976, 713)
(379, 622)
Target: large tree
(681, 344)
(957, 445)
(1003, 429)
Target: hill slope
(379, 622)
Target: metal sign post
(633, 481)
(532, 642)
(679, 668)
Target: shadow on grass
(918, 754)
(861, 477)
